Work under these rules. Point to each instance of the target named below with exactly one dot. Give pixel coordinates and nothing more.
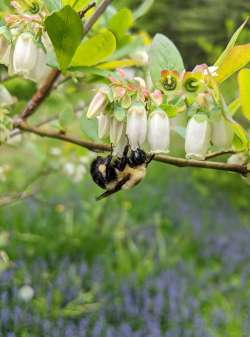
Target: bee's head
(137, 157)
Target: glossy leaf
(94, 50)
(78, 5)
(236, 59)
(120, 23)
(244, 88)
(65, 31)
(234, 106)
(163, 54)
(230, 44)
(119, 64)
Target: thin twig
(219, 153)
(180, 162)
(85, 10)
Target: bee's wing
(117, 188)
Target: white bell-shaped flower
(116, 130)
(198, 135)
(158, 131)
(118, 149)
(237, 158)
(5, 97)
(136, 125)
(25, 54)
(103, 125)
(222, 134)
(97, 104)
(5, 48)
(40, 71)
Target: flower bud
(197, 139)
(25, 54)
(222, 134)
(5, 97)
(103, 125)
(158, 131)
(96, 104)
(140, 56)
(116, 129)
(136, 125)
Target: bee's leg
(117, 188)
(149, 159)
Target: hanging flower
(237, 158)
(136, 125)
(198, 135)
(5, 48)
(103, 125)
(158, 131)
(5, 97)
(97, 104)
(116, 129)
(222, 134)
(118, 148)
(25, 54)
(40, 71)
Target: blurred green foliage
(199, 28)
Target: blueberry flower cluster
(127, 110)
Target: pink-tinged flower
(97, 104)
(103, 125)
(136, 125)
(198, 135)
(157, 97)
(158, 131)
(121, 72)
(116, 130)
(170, 80)
(205, 69)
(222, 134)
(118, 92)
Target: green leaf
(52, 5)
(143, 9)
(244, 88)
(240, 138)
(230, 44)
(163, 54)
(236, 59)
(234, 106)
(94, 50)
(89, 127)
(65, 31)
(171, 110)
(78, 5)
(120, 23)
(93, 71)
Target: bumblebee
(114, 174)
